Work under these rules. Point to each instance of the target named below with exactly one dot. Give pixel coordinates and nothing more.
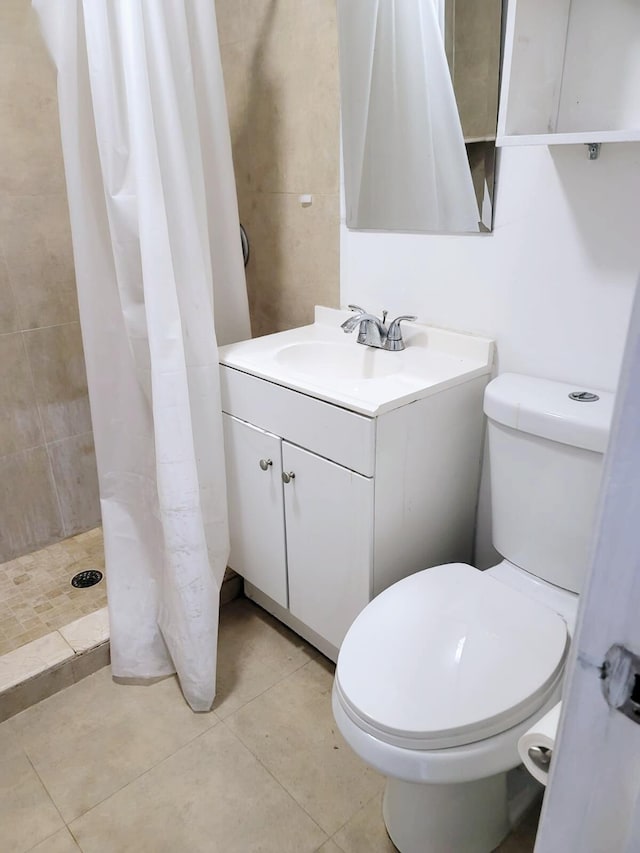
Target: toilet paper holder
(541, 757)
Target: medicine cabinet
(571, 72)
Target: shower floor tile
(36, 596)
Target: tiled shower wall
(48, 485)
(280, 63)
(281, 74)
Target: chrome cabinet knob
(288, 476)
(265, 463)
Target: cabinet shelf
(585, 137)
(571, 73)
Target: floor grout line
(262, 692)
(47, 838)
(140, 775)
(362, 807)
(73, 835)
(48, 793)
(275, 778)
(282, 785)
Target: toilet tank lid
(544, 408)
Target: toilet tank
(546, 451)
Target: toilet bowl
(455, 687)
(440, 675)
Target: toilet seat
(447, 657)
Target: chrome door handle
(288, 476)
(265, 463)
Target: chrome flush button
(583, 396)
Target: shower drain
(87, 578)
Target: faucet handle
(394, 342)
(395, 332)
(351, 322)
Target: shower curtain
(160, 281)
(406, 165)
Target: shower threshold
(53, 632)
(50, 663)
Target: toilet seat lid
(449, 656)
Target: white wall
(553, 283)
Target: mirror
(419, 100)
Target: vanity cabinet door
(329, 519)
(256, 512)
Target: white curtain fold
(160, 278)
(406, 165)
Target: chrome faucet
(373, 332)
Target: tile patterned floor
(36, 596)
(106, 768)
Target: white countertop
(322, 361)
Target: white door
(592, 804)
(329, 518)
(256, 512)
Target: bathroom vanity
(348, 467)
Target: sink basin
(338, 361)
(322, 361)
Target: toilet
(440, 675)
